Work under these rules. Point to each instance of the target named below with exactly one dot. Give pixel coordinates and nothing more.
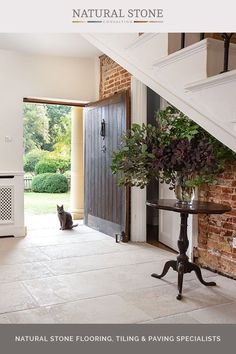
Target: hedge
(51, 165)
(50, 183)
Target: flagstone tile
(22, 255)
(225, 313)
(106, 309)
(161, 301)
(179, 318)
(15, 297)
(17, 272)
(100, 261)
(37, 315)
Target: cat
(65, 219)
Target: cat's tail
(74, 225)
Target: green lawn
(43, 203)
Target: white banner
(117, 16)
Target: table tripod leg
(172, 264)
(198, 272)
(180, 280)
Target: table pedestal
(182, 264)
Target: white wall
(23, 75)
(97, 77)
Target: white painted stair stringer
(183, 100)
(218, 92)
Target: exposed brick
(227, 190)
(226, 232)
(226, 197)
(228, 176)
(113, 77)
(228, 226)
(216, 232)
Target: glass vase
(184, 193)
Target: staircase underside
(189, 78)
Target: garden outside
(45, 203)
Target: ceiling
(59, 44)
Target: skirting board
(10, 230)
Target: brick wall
(216, 232)
(113, 78)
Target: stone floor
(83, 276)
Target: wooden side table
(182, 264)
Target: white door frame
(138, 196)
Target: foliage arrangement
(176, 146)
(50, 183)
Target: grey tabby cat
(65, 219)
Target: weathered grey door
(106, 204)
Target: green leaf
(144, 148)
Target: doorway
(161, 225)
(153, 105)
(47, 161)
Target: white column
(138, 196)
(77, 164)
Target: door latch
(103, 129)
(103, 148)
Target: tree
(59, 126)
(48, 127)
(36, 127)
(32, 158)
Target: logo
(118, 15)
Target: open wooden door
(106, 205)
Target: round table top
(196, 207)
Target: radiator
(12, 204)
(6, 205)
